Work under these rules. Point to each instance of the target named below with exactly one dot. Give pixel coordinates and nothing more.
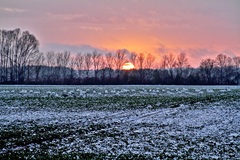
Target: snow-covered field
(117, 122)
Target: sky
(200, 28)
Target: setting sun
(128, 66)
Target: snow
(202, 130)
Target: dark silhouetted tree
(206, 70)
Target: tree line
(21, 62)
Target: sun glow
(128, 66)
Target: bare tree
(87, 63)
(221, 64)
(146, 74)
(96, 59)
(62, 61)
(27, 47)
(236, 61)
(206, 69)
(109, 63)
(183, 67)
(9, 53)
(15, 36)
(140, 61)
(5, 48)
(133, 58)
(120, 59)
(182, 61)
(169, 63)
(103, 66)
(50, 63)
(16, 49)
(38, 65)
(79, 59)
(1, 56)
(229, 71)
(221, 60)
(150, 60)
(72, 66)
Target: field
(119, 122)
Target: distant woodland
(21, 62)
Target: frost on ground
(149, 122)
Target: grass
(118, 102)
(29, 140)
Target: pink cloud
(200, 28)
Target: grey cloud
(71, 48)
(13, 10)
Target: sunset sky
(200, 28)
